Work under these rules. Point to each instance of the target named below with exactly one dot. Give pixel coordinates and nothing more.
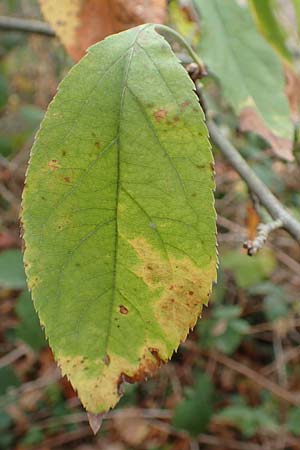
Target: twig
(290, 397)
(25, 25)
(263, 231)
(14, 355)
(231, 444)
(288, 356)
(279, 361)
(267, 199)
(50, 377)
(288, 261)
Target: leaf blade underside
(246, 65)
(118, 215)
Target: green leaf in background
(296, 4)
(5, 146)
(118, 215)
(8, 379)
(224, 330)
(268, 25)
(6, 436)
(180, 20)
(247, 419)
(275, 304)
(29, 329)
(193, 414)
(249, 271)
(293, 421)
(247, 67)
(32, 116)
(3, 92)
(12, 274)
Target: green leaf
(248, 69)
(276, 301)
(247, 419)
(193, 414)
(33, 436)
(29, 329)
(293, 421)
(118, 215)
(8, 379)
(224, 330)
(3, 92)
(249, 271)
(12, 274)
(263, 12)
(5, 146)
(296, 4)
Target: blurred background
(235, 383)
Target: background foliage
(236, 382)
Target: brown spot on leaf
(106, 360)
(97, 145)
(160, 115)
(67, 179)
(53, 164)
(185, 104)
(147, 368)
(123, 309)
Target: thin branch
(290, 397)
(167, 31)
(14, 355)
(263, 231)
(265, 196)
(25, 25)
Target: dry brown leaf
(250, 121)
(292, 90)
(253, 221)
(81, 23)
(134, 429)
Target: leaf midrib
(118, 184)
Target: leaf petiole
(167, 31)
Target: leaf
(293, 420)
(296, 4)
(180, 18)
(224, 330)
(12, 274)
(29, 329)
(248, 69)
(8, 379)
(193, 414)
(249, 271)
(132, 429)
(247, 419)
(268, 25)
(292, 91)
(81, 23)
(251, 121)
(118, 215)
(3, 92)
(276, 301)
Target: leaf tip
(95, 421)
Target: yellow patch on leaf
(180, 289)
(99, 386)
(184, 287)
(81, 23)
